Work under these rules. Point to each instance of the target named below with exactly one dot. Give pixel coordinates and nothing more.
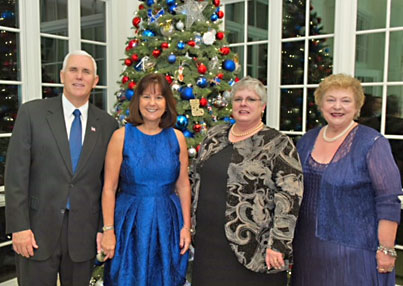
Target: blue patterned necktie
(75, 139)
(75, 144)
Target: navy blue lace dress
(148, 214)
(328, 260)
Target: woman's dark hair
(168, 119)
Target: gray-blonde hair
(251, 84)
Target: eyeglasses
(249, 100)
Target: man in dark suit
(53, 180)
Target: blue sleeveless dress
(148, 214)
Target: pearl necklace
(248, 132)
(327, 139)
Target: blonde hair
(341, 81)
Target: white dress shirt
(68, 109)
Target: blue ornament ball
(214, 17)
(181, 122)
(187, 93)
(181, 45)
(129, 94)
(229, 65)
(170, 2)
(202, 82)
(148, 33)
(127, 112)
(187, 133)
(150, 2)
(172, 8)
(171, 58)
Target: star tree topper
(193, 11)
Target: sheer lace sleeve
(385, 179)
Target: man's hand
(24, 243)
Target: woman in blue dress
(350, 211)
(147, 228)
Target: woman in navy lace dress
(350, 211)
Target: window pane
(258, 20)
(321, 17)
(93, 20)
(320, 61)
(9, 13)
(99, 54)
(9, 102)
(234, 22)
(291, 109)
(292, 63)
(370, 113)
(370, 52)
(371, 14)
(3, 151)
(396, 11)
(9, 56)
(53, 53)
(54, 17)
(257, 62)
(98, 97)
(48, 91)
(397, 147)
(293, 18)
(7, 256)
(313, 117)
(394, 114)
(395, 71)
(240, 52)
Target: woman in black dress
(247, 189)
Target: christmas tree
(320, 64)
(183, 41)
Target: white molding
(74, 32)
(274, 65)
(344, 36)
(30, 50)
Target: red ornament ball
(164, 45)
(128, 62)
(216, 3)
(132, 43)
(225, 50)
(136, 21)
(156, 53)
(128, 48)
(131, 85)
(135, 57)
(220, 14)
(202, 69)
(197, 127)
(168, 78)
(220, 35)
(125, 79)
(192, 43)
(220, 75)
(141, 7)
(236, 79)
(203, 102)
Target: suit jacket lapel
(55, 118)
(92, 132)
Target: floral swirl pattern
(264, 192)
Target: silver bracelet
(387, 251)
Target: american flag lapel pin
(93, 129)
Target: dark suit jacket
(39, 177)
